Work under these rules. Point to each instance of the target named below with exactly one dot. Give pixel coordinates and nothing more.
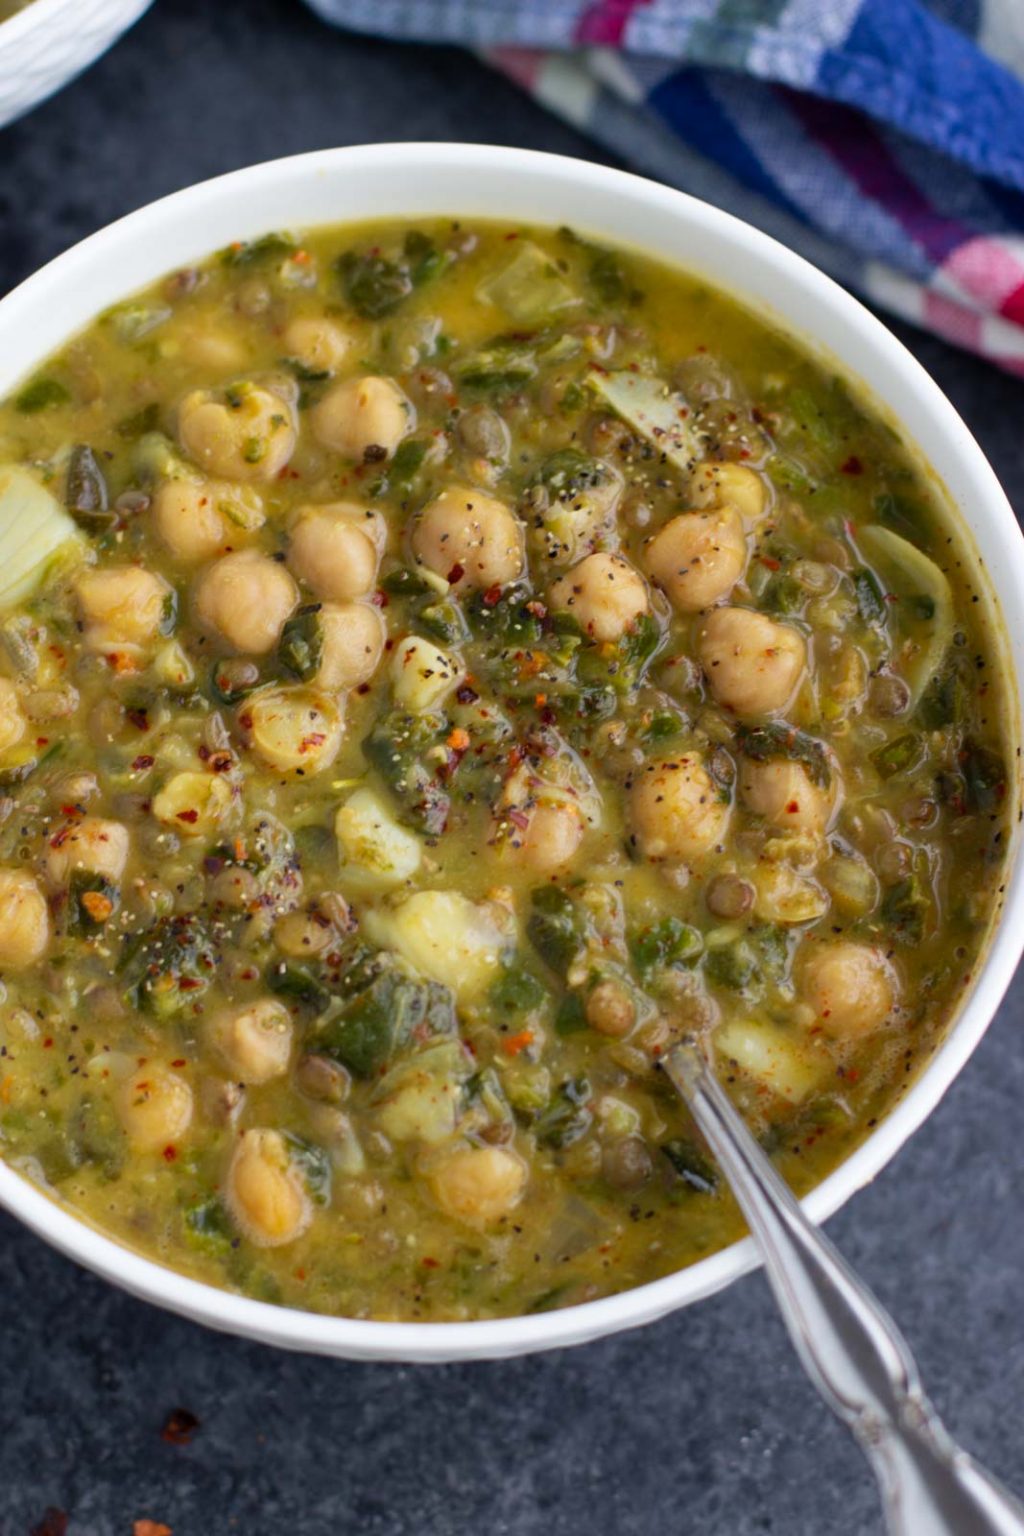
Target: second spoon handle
(847, 1342)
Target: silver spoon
(848, 1345)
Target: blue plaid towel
(883, 139)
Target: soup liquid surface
(440, 665)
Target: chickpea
(335, 549)
(155, 1107)
(784, 794)
(295, 730)
(754, 665)
(194, 804)
(24, 920)
(610, 1008)
(604, 593)
(187, 519)
(316, 342)
(352, 637)
(550, 840)
(851, 987)
(245, 432)
(245, 599)
(675, 809)
(729, 485)
(698, 557)
(255, 1041)
(12, 721)
(122, 605)
(471, 539)
(92, 844)
(479, 1185)
(264, 1192)
(363, 419)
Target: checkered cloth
(883, 139)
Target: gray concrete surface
(701, 1425)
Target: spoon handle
(849, 1346)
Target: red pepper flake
(42, 741)
(170, 1154)
(771, 563)
(513, 236)
(48, 1043)
(53, 1523)
(300, 1273)
(429, 1263)
(363, 688)
(139, 718)
(245, 721)
(314, 739)
(792, 807)
(142, 762)
(513, 1044)
(456, 573)
(179, 1427)
(69, 810)
(179, 1061)
(492, 597)
(853, 466)
(379, 599)
(188, 983)
(190, 816)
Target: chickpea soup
(440, 665)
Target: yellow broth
(340, 979)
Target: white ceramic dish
(44, 47)
(420, 179)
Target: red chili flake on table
(179, 1427)
(853, 466)
(190, 816)
(456, 573)
(142, 762)
(53, 1523)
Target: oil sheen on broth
(441, 665)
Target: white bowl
(44, 47)
(410, 180)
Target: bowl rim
(37, 14)
(491, 1338)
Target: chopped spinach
(554, 928)
(762, 743)
(567, 1115)
(690, 1165)
(367, 1032)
